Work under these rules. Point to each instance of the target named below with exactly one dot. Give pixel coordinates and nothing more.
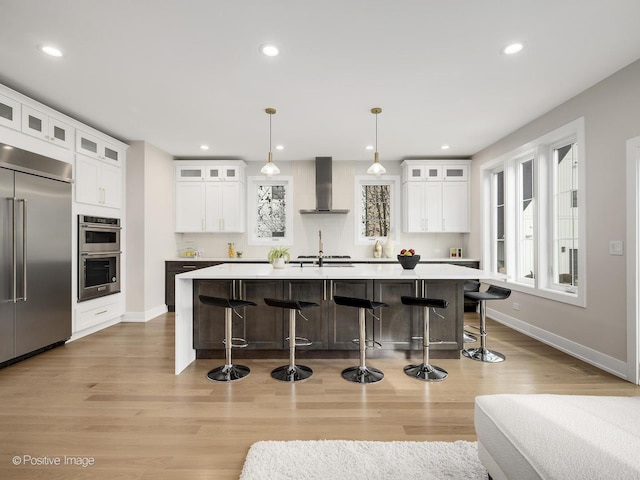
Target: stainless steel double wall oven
(98, 256)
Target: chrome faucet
(320, 252)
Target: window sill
(554, 295)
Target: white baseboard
(597, 359)
(94, 329)
(146, 315)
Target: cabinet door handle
(324, 289)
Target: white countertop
(308, 260)
(391, 271)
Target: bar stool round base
(362, 374)
(298, 373)
(468, 338)
(483, 355)
(428, 373)
(228, 373)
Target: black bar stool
(482, 353)
(229, 372)
(470, 286)
(425, 371)
(361, 373)
(292, 372)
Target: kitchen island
(330, 327)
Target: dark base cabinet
(173, 268)
(316, 328)
(330, 327)
(261, 325)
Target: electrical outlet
(516, 306)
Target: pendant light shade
(270, 168)
(376, 167)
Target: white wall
(612, 115)
(338, 230)
(150, 238)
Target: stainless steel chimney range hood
(324, 185)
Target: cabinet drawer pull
(189, 266)
(100, 313)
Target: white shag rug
(356, 460)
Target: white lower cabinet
(98, 183)
(94, 312)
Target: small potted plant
(408, 258)
(278, 256)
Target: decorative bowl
(408, 262)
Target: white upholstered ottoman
(564, 437)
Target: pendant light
(270, 167)
(376, 167)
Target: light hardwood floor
(113, 397)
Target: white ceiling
(182, 73)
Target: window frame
(521, 275)
(544, 284)
(394, 211)
(252, 214)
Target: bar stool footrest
(369, 344)
(301, 342)
(237, 342)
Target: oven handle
(100, 226)
(99, 254)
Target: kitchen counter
(326, 260)
(185, 352)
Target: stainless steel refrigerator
(35, 252)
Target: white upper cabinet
(98, 183)
(190, 173)
(46, 127)
(435, 195)
(210, 196)
(9, 112)
(95, 147)
(224, 173)
(455, 173)
(422, 173)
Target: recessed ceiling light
(512, 48)
(445, 147)
(369, 147)
(279, 147)
(204, 147)
(50, 50)
(269, 50)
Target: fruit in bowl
(408, 258)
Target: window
(531, 230)
(270, 211)
(498, 229)
(526, 223)
(376, 206)
(565, 214)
